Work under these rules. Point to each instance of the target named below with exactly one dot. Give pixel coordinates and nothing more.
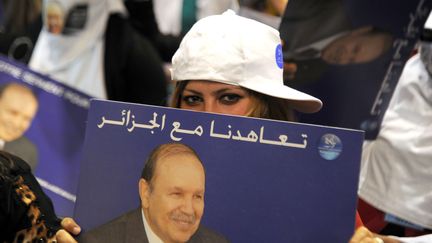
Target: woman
(26, 213)
(91, 46)
(240, 60)
(233, 65)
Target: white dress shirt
(151, 236)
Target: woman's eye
(229, 99)
(192, 99)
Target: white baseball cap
(231, 49)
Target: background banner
(350, 54)
(56, 133)
(265, 180)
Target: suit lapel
(135, 231)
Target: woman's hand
(69, 227)
(363, 235)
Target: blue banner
(350, 54)
(53, 142)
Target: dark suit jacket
(142, 18)
(23, 148)
(308, 21)
(133, 69)
(129, 228)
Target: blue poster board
(266, 181)
(57, 131)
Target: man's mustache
(184, 217)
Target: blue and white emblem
(279, 56)
(330, 146)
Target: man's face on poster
(361, 46)
(173, 201)
(18, 107)
(54, 18)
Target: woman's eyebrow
(193, 91)
(215, 92)
(231, 89)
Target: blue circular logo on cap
(279, 56)
(330, 146)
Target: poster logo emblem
(330, 146)
(279, 56)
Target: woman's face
(216, 97)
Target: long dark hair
(266, 106)
(7, 165)
(19, 15)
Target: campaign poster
(47, 131)
(266, 180)
(350, 54)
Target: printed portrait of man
(171, 189)
(54, 17)
(18, 107)
(320, 33)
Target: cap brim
(300, 101)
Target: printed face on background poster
(54, 17)
(360, 46)
(18, 106)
